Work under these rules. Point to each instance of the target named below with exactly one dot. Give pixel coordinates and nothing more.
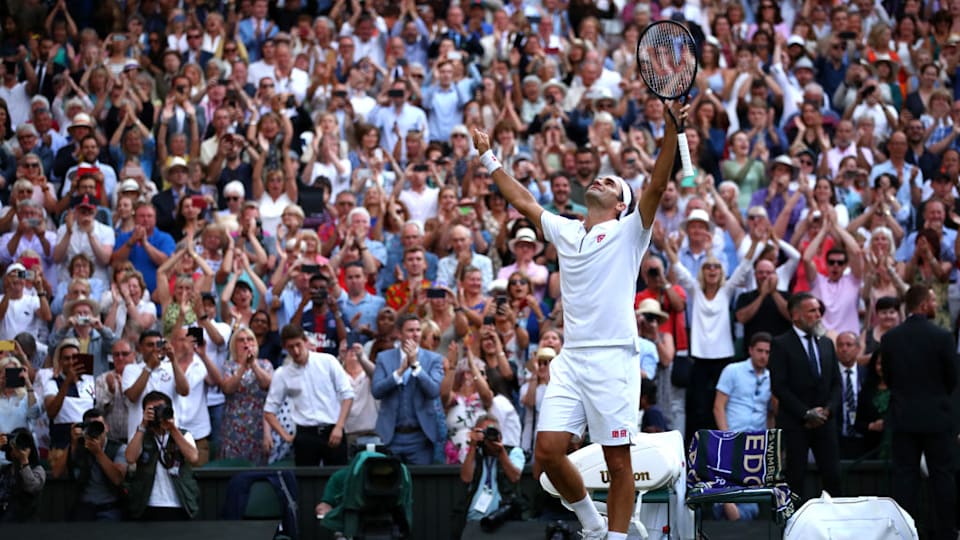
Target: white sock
(587, 514)
(616, 536)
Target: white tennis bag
(850, 518)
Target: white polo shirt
(160, 380)
(21, 316)
(598, 272)
(73, 407)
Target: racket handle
(685, 155)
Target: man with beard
(594, 382)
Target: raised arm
(662, 169)
(515, 193)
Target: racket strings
(667, 59)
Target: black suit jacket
(794, 384)
(919, 366)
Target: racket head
(667, 59)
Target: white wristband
(490, 161)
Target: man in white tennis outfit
(595, 381)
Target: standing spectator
(742, 402)
(806, 383)
(444, 102)
(320, 399)
(852, 375)
(82, 317)
(362, 420)
(81, 233)
(169, 493)
(19, 407)
(198, 370)
(146, 247)
(150, 375)
(407, 381)
(254, 30)
(108, 392)
(246, 379)
(763, 309)
(65, 396)
(919, 367)
(839, 290)
(396, 115)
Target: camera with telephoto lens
(558, 530)
(161, 413)
(19, 441)
(508, 511)
(92, 429)
(491, 433)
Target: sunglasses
(32, 165)
(711, 266)
(754, 217)
(519, 281)
(650, 317)
(193, 36)
(232, 198)
(836, 262)
(806, 162)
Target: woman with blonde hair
(246, 379)
(711, 337)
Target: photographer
(490, 470)
(22, 480)
(98, 466)
(170, 492)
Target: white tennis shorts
(597, 388)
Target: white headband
(627, 194)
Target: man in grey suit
(407, 383)
(919, 365)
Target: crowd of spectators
(199, 196)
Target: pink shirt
(841, 299)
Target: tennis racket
(667, 61)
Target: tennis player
(595, 381)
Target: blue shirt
(444, 110)
(367, 307)
(488, 481)
(141, 261)
(748, 396)
(649, 357)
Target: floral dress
(461, 418)
(242, 430)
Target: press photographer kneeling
(491, 471)
(161, 456)
(98, 466)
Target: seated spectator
(22, 476)
(246, 379)
(98, 466)
(319, 411)
(163, 487)
(82, 322)
(653, 420)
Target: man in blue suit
(407, 382)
